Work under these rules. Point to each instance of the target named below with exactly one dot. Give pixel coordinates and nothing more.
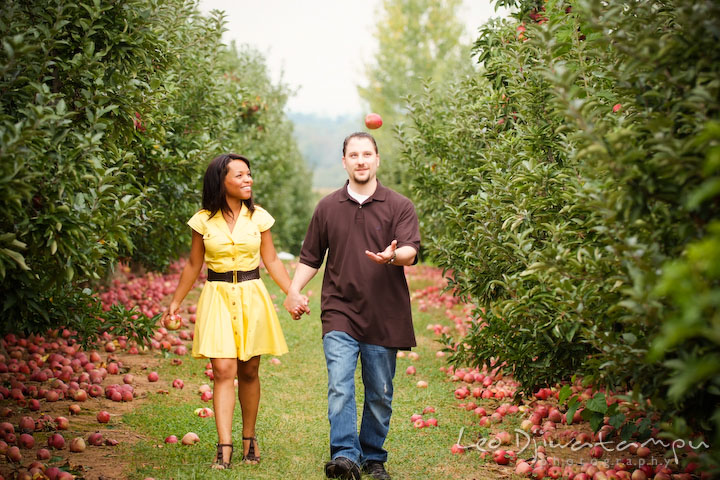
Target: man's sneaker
(376, 470)
(342, 467)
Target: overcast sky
(318, 47)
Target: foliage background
(581, 166)
(418, 41)
(109, 113)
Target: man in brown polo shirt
(369, 234)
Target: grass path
(293, 429)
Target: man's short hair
(359, 135)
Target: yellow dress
(235, 320)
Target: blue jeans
(378, 370)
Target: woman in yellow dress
(236, 319)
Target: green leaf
(596, 421)
(573, 406)
(598, 403)
(564, 393)
(617, 420)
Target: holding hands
(296, 304)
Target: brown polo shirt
(368, 301)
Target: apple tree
(109, 114)
(571, 191)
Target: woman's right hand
(171, 310)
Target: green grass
(292, 427)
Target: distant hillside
(320, 142)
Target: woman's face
(238, 181)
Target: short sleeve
(198, 222)
(407, 230)
(262, 219)
(315, 244)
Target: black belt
(234, 276)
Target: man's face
(361, 161)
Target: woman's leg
(249, 395)
(224, 371)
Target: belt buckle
(235, 276)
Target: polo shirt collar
(379, 195)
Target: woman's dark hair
(213, 197)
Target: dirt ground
(96, 462)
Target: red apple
(643, 451)
(373, 121)
(62, 423)
(153, 377)
(500, 457)
(638, 475)
(204, 412)
(77, 445)
(173, 322)
(26, 424)
(523, 469)
(43, 454)
(190, 438)
(103, 416)
(504, 438)
(56, 441)
(457, 449)
(13, 454)
(95, 439)
(26, 441)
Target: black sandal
(220, 463)
(251, 457)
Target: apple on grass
(190, 438)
